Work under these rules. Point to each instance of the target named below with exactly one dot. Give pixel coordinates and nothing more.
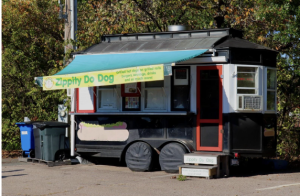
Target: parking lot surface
(20, 178)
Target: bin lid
(45, 124)
(22, 123)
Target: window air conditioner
(249, 102)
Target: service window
(180, 90)
(107, 97)
(247, 80)
(155, 95)
(271, 89)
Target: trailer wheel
(171, 156)
(139, 157)
(32, 154)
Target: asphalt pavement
(111, 178)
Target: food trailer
(154, 98)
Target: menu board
(132, 102)
(130, 88)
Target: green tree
(32, 45)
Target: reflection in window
(247, 80)
(271, 89)
(180, 89)
(107, 97)
(154, 95)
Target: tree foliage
(32, 45)
(38, 45)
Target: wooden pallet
(205, 171)
(49, 163)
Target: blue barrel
(27, 138)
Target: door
(209, 108)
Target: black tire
(23, 154)
(139, 157)
(171, 156)
(32, 154)
(60, 155)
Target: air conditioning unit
(249, 102)
(69, 92)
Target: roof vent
(177, 28)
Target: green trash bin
(50, 140)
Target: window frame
(271, 90)
(172, 89)
(118, 94)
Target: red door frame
(219, 121)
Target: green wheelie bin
(50, 140)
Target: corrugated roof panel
(206, 43)
(187, 44)
(97, 48)
(113, 47)
(154, 45)
(132, 46)
(150, 46)
(169, 45)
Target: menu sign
(130, 88)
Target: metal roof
(171, 41)
(235, 42)
(154, 45)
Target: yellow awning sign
(104, 78)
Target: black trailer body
(221, 101)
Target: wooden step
(201, 159)
(220, 160)
(198, 170)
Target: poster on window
(132, 102)
(131, 89)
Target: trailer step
(202, 158)
(206, 163)
(198, 171)
(49, 163)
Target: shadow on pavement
(16, 170)
(254, 167)
(14, 175)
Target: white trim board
(216, 59)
